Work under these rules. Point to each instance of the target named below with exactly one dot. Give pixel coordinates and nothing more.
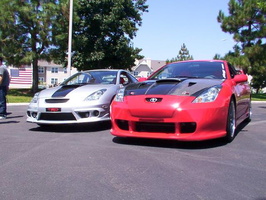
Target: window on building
(41, 70)
(135, 73)
(54, 81)
(54, 70)
(41, 80)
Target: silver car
(84, 97)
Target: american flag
(22, 76)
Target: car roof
(199, 61)
(104, 70)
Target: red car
(188, 101)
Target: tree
(28, 31)
(261, 4)
(218, 57)
(38, 29)
(103, 33)
(246, 21)
(182, 55)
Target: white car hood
(73, 91)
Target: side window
(126, 78)
(123, 79)
(232, 70)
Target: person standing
(4, 85)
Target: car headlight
(208, 95)
(95, 95)
(120, 95)
(35, 98)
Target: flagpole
(70, 37)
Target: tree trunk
(35, 80)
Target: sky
(170, 23)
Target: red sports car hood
(182, 87)
(171, 87)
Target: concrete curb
(17, 104)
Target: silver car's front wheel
(231, 122)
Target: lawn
(25, 95)
(258, 97)
(19, 96)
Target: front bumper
(189, 121)
(65, 114)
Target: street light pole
(70, 37)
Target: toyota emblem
(153, 100)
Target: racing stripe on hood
(183, 87)
(64, 90)
(162, 87)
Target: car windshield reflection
(205, 70)
(93, 77)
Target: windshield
(209, 70)
(92, 77)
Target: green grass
(19, 96)
(25, 96)
(258, 97)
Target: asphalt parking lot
(87, 162)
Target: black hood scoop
(160, 87)
(172, 86)
(191, 83)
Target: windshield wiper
(170, 80)
(73, 85)
(186, 77)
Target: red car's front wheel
(231, 122)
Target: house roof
(43, 63)
(152, 64)
(156, 64)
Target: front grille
(56, 100)
(56, 116)
(155, 127)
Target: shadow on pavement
(170, 143)
(10, 119)
(6, 121)
(176, 144)
(74, 128)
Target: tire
(248, 119)
(231, 122)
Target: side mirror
(240, 78)
(240, 71)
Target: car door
(242, 93)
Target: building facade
(145, 67)
(51, 74)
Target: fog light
(95, 113)
(188, 127)
(84, 114)
(122, 124)
(34, 114)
